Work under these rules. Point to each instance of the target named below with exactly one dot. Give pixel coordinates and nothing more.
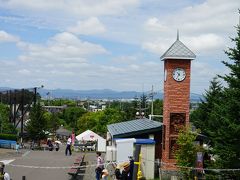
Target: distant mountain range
(101, 94)
(98, 94)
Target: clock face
(179, 74)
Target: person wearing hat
(125, 171)
(118, 174)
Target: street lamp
(139, 115)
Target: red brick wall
(176, 100)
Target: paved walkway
(38, 165)
(46, 165)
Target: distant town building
(55, 109)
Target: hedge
(8, 137)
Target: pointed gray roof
(178, 51)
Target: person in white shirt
(68, 147)
(100, 166)
(6, 176)
(17, 147)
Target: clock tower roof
(178, 51)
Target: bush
(8, 137)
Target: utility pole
(152, 101)
(22, 117)
(152, 93)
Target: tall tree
(202, 117)
(5, 126)
(53, 121)
(220, 119)
(227, 147)
(37, 126)
(98, 121)
(71, 115)
(219, 115)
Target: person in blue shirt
(17, 147)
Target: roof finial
(177, 34)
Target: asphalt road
(40, 165)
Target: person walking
(68, 147)
(99, 167)
(17, 147)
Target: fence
(7, 144)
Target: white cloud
(202, 44)
(72, 8)
(24, 71)
(205, 43)
(203, 27)
(61, 47)
(202, 74)
(6, 37)
(125, 59)
(84, 28)
(158, 46)
(88, 27)
(155, 24)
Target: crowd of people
(123, 171)
(52, 145)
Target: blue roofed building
(123, 136)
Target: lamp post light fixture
(139, 115)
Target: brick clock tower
(177, 70)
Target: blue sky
(110, 44)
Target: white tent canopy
(88, 135)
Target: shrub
(8, 137)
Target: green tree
(203, 116)
(227, 133)
(109, 116)
(221, 111)
(98, 121)
(87, 121)
(129, 109)
(53, 121)
(186, 151)
(157, 108)
(71, 116)
(5, 126)
(37, 126)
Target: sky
(111, 44)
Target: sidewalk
(10, 153)
(39, 165)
